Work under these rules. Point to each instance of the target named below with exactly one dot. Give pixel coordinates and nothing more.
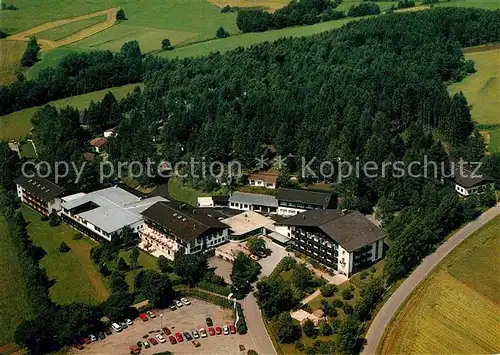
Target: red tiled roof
(98, 142)
(269, 177)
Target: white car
(185, 301)
(129, 321)
(195, 333)
(151, 314)
(160, 338)
(92, 337)
(203, 332)
(178, 303)
(225, 329)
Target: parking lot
(186, 318)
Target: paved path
(391, 306)
(256, 328)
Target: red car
(218, 330)
(78, 346)
(172, 340)
(143, 317)
(86, 340)
(153, 341)
(166, 331)
(135, 349)
(211, 331)
(178, 336)
(232, 329)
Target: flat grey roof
(116, 208)
(253, 199)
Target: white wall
(289, 211)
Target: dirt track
(74, 37)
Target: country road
(391, 306)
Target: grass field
(269, 5)
(482, 92)
(151, 21)
(10, 56)
(14, 304)
(56, 33)
(183, 193)
(456, 309)
(18, 124)
(145, 261)
(76, 277)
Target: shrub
(347, 294)
(363, 275)
(309, 329)
(225, 9)
(30, 55)
(44, 218)
(77, 236)
(3, 34)
(299, 346)
(64, 248)
(337, 303)
(54, 219)
(120, 14)
(166, 45)
(348, 309)
(328, 290)
(121, 264)
(252, 352)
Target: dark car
(108, 331)
(172, 340)
(101, 335)
(172, 307)
(209, 322)
(188, 336)
(166, 331)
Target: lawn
(56, 33)
(455, 309)
(269, 5)
(10, 56)
(151, 21)
(18, 124)
(14, 303)
(145, 261)
(481, 91)
(184, 193)
(76, 277)
(27, 150)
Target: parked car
(203, 332)
(146, 344)
(172, 340)
(116, 327)
(196, 335)
(101, 335)
(178, 303)
(92, 337)
(153, 341)
(188, 336)
(78, 346)
(209, 322)
(86, 340)
(160, 338)
(211, 331)
(143, 317)
(185, 301)
(108, 331)
(218, 330)
(166, 331)
(123, 325)
(129, 321)
(135, 349)
(232, 328)
(225, 329)
(179, 337)
(196, 343)
(151, 314)
(172, 307)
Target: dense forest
(373, 90)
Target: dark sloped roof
(304, 196)
(186, 223)
(221, 199)
(351, 229)
(467, 179)
(40, 187)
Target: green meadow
(56, 33)
(18, 124)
